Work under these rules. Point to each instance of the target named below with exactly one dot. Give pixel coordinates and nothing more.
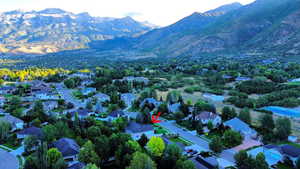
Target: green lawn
(181, 140)
(282, 166)
(11, 146)
(4, 148)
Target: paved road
(67, 95)
(8, 160)
(184, 134)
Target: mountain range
(53, 30)
(264, 27)
(260, 28)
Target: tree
(91, 166)
(298, 163)
(185, 164)
(89, 105)
(261, 161)
(103, 147)
(232, 138)
(244, 161)
(87, 154)
(69, 83)
(210, 125)
(216, 144)
(283, 128)
(4, 131)
(30, 142)
(55, 159)
(38, 111)
(120, 124)
(170, 156)
(267, 122)
(49, 133)
(156, 146)
(143, 140)
(245, 115)
(141, 161)
(228, 113)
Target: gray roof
(290, 150)
(34, 131)
(174, 107)
(117, 113)
(77, 165)
(238, 125)
(68, 147)
(81, 112)
(151, 101)
(11, 119)
(128, 98)
(138, 127)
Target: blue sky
(159, 12)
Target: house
(239, 126)
(50, 105)
(136, 79)
(2, 101)
(88, 90)
(15, 123)
(116, 114)
(86, 82)
(82, 75)
(290, 152)
(31, 131)
(38, 85)
(7, 89)
(207, 162)
(174, 108)
(137, 129)
(293, 139)
(152, 101)
(241, 78)
(99, 108)
(46, 95)
(272, 155)
(206, 117)
(102, 97)
(68, 148)
(82, 113)
(77, 165)
(128, 98)
(2, 112)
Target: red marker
(154, 118)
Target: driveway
(8, 160)
(184, 134)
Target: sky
(158, 12)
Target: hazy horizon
(157, 12)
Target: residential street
(184, 134)
(66, 94)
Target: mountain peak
(225, 8)
(52, 11)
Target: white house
(206, 117)
(88, 90)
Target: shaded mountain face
(263, 26)
(53, 30)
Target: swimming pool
(283, 111)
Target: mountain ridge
(53, 29)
